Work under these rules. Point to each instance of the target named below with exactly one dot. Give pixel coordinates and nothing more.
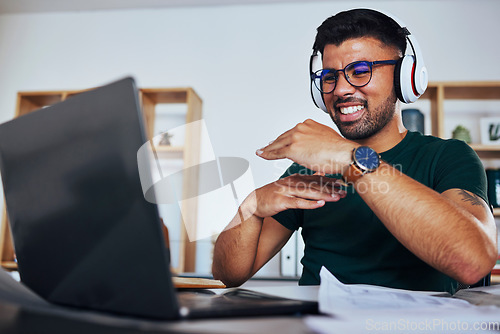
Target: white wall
(248, 63)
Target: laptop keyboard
(236, 302)
(231, 298)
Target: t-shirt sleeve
(459, 167)
(292, 219)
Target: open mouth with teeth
(350, 113)
(351, 110)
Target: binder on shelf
(289, 257)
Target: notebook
(83, 233)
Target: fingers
(300, 203)
(296, 191)
(280, 153)
(338, 183)
(279, 148)
(311, 187)
(316, 181)
(307, 194)
(303, 201)
(276, 149)
(312, 145)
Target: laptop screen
(84, 235)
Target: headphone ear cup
(397, 80)
(405, 73)
(318, 98)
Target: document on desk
(336, 297)
(360, 308)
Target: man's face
(361, 112)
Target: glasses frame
(319, 74)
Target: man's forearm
(235, 250)
(253, 237)
(433, 227)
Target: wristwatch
(364, 160)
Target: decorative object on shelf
(413, 120)
(493, 176)
(490, 130)
(165, 139)
(462, 133)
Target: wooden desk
(195, 282)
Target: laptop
(83, 233)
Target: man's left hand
(312, 145)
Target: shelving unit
(439, 92)
(187, 154)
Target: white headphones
(410, 73)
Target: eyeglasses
(358, 74)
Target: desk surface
(19, 320)
(21, 311)
(38, 318)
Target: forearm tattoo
(471, 198)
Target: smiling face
(362, 112)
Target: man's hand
(312, 145)
(297, 192)
(253, 237)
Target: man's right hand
(296, 192)
(253, 237)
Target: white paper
(475, 320)
(360, 308)
(337, 298)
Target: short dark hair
(357, 23)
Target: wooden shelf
(496, 212)
(9, 265)
(166, 148)
(487, 151)
(169, 152)
(485, 148)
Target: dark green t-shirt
(351, 242)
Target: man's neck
(388, 137)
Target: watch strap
(352, 174)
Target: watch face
(366, 158)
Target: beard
(372, 121)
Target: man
(417, 218)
